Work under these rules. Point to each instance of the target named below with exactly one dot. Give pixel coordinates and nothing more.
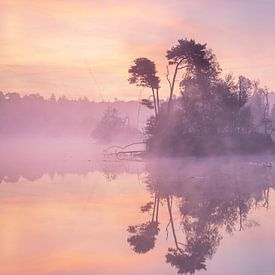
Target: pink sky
(84, 47)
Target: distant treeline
(35, 115)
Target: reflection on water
(211, 199)
(207, 216)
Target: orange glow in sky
(85, 47)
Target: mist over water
(32, 158)
(63, 202)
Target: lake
(70, 212)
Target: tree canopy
(143, 73)
(212, 113)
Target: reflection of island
(211, 199)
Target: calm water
(71, 214)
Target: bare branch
(183, 67)
(179, 62)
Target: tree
(195, 58)
(212, 113)
(273, 116)
(245, 87)
(260, 109)
(266, 115)
(143, 73)
(109, 126)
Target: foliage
(194, 57)
(110, 126)
(143, 236)
(212, 115)
(143, 73)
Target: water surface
(73, 214)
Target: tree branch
(155, 103)
(183, 67)
(167, 232)
(173, 83)
(167, 76)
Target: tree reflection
(143, 236)
(211, 200)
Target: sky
(83, 48)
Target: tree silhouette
(143, 73)
(143, 236)
(212, 114)
(194, 58)
(111, 126)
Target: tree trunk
(155, 105)
(172, 223)
(158, 99)
(172, 88)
